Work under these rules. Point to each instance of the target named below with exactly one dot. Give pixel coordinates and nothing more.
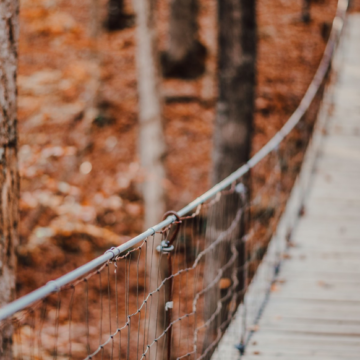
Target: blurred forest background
(78, 118)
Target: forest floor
(78, 126)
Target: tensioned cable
(55, 285)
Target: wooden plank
(322, 263)
(268, 337)
(334, 142)
(339, 300)
(328, 191)
(261, 356)
(316, 251)
(288, 353)
(343, 165)
(319, 268)
(303, 345)
(310, 323)
(341, 229)
(318, 285)
(351, 306)
(333, 208)
(287, 311)
(338, 180)
(325, 275)
(313, 329)
(317, 245)
(308, 239)
(345, 129)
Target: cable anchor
(165, 247)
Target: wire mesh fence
(174, 294)
(170, 297)
(171, 293)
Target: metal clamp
(111, 250)
(165, 247)
(169, 305)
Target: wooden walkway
(313, 311)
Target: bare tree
(234, 118)
(117, 19)
(236, 79)
(305, 13)
(151, 141)
(9, 181)
(185, 56)
(94, 18)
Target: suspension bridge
(231, 275)
(312, 310)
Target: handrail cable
(272, 144)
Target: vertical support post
(242, 273)
(242, 190)
(168, 307)
(167, 247)
(278, 205)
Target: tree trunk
(94, 19)
(117, 19)
(234, 118)
(9, 181)
(306, 11)
(151, 142)
(237, 66)
(185, 57)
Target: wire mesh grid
(172, 296)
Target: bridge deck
(313, 309)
